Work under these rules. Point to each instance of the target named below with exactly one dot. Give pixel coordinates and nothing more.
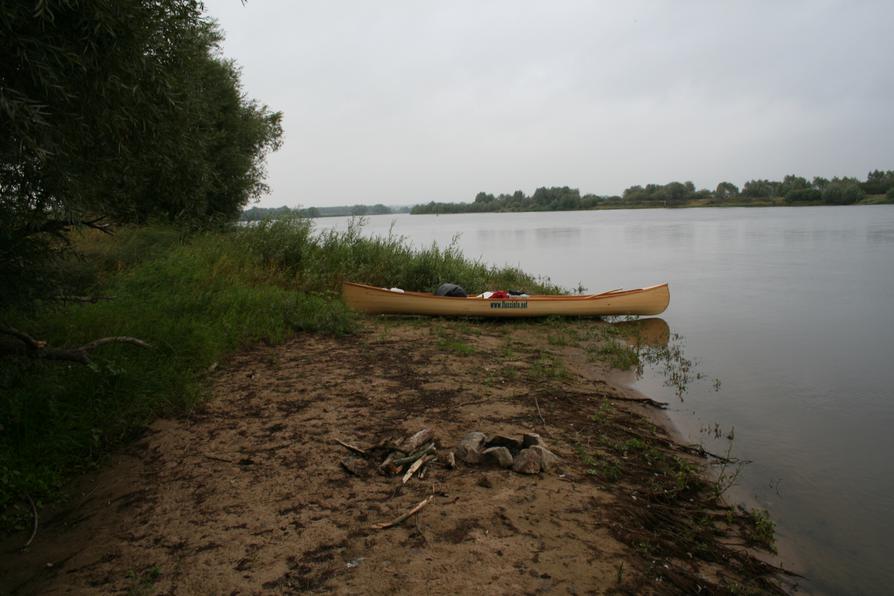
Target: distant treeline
(261, 213)
(791, 190)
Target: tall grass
(195, 298)
(321, 262)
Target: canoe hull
(369, 299)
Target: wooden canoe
(644, 301)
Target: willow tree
(116, 111)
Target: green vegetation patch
(195, 298)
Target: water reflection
(653, 332)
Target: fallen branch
(35, 348)
(405, 516)
(34, 530)
(414, 456)
(696, 450)
(218, 458)
(639, 400)
(539, 413)
(81, 299)
(59, 227)
(351, 447)
(23, 337)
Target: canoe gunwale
(647, 301)
(534, 297)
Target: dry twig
(351, 447)
(415, 466)
(36, 521)
(539, 413)
(414, 456)
(405, 516)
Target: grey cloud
(401, 102)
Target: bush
(803, 195)
(843, 193)
(890, 193)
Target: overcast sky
(407, 102)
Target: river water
(792, 309)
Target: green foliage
(726, 190)
(878, 182)
(616, 354)
(321, 262)
(544, 199)
(890, 193)
(196, 298)
(803, 195)
(843, 191)
(671, 194)
(194, 302)
(794, 189)
(762, 529)
(791, 184)
(757, 189)
(262, 213)
(117, 109)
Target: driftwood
(34, 528)
(357, 450)
(539, 413)
(639, 400)
(415, 466)
(419, 506)
(414, 456)
(388, 463)
(59, 227)
(35, 348)
(81, 299)
(696, 449)
(416, 441)
(218, 458)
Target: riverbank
(187, 300)
(247, 492)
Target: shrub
(843, 193)
(803, 195)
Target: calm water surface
(791, 308)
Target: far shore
(263, 213)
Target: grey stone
(498, 455)
(504, 441)
(548, 459)
(527, 461)
(470, 447)
(529, 439)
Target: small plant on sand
(548, 367)
(762, 529)
(603, 414)
(143, 583)
(457, 346)
(509, 373)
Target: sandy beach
(248, 494)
